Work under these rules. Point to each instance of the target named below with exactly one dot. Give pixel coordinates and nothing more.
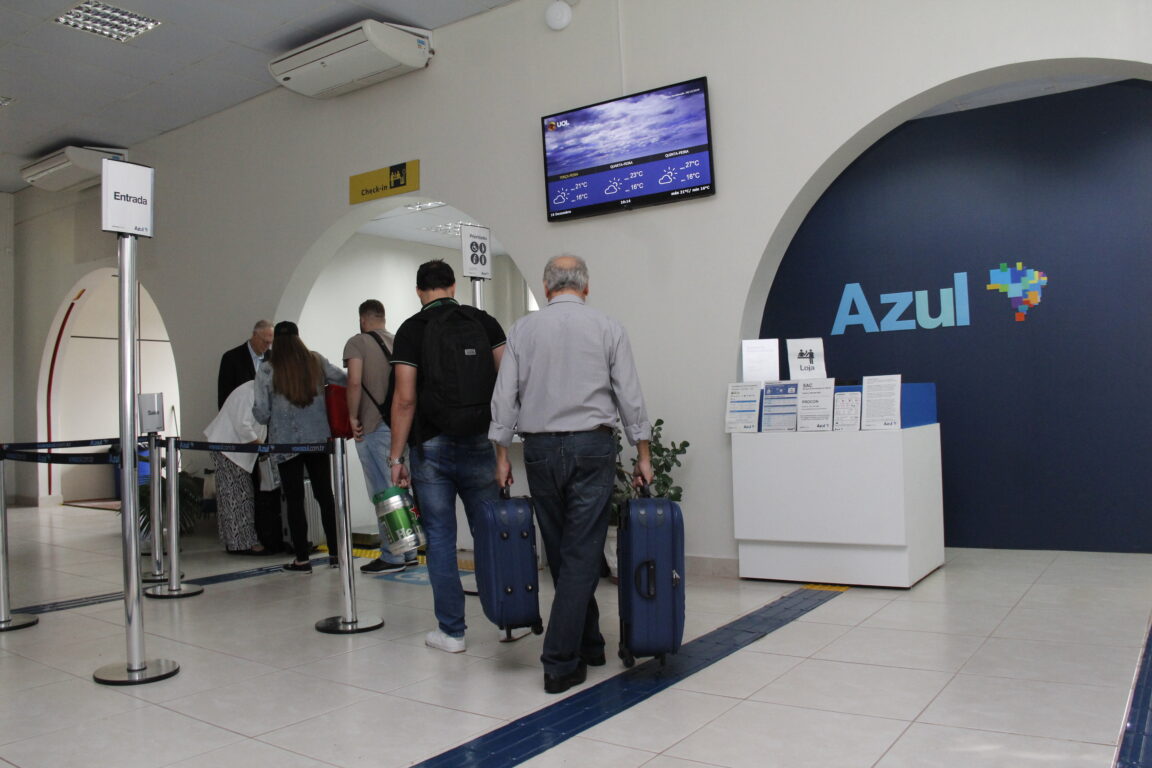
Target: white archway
(1029, 72)
(352, 262)
(78, 393)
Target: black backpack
(458, 372)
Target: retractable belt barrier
(346, 623)
(190, 445)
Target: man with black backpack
(368, 358)
(444, 368)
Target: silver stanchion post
(348, 623)
(155, 520)
(478, 292)
(173, 588)
(8, 620)
(137, 670)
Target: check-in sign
(127, 199)
(477, 256)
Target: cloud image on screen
(646, 124)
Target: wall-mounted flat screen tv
(644, 149)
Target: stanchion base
(151, 578)
(18, 621)
(163, 592)
(335, 625)
(119, 674)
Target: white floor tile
(739, 675)
(579, 752)
(262, 704)
(1055, 662)
(659, 722)
(144, 738)
(859, 689)
(385, 731)
(902, 648)
(759, 735)
(1030, 708)
(931, 746)
(61, 706)
(956, 618)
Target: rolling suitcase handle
(648, 567)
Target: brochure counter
(839, 507)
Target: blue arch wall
(1043, 421)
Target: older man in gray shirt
(567, 370)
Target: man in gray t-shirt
(367, 358)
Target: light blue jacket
(288, 423)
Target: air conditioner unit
(352, 58)
(69, 168)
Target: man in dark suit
(239, 364)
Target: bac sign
(126, 197)
(477, 256)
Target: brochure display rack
(839, 507)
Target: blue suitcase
(650, 562)
(507, 576)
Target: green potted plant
(665, 456)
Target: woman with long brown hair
(290, 400)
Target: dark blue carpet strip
(1136, 745)
(538, 732)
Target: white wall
(798, 90)
(369, 267)
(7, 319)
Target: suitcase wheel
(626, 656)
(538, 628)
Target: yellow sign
(393, 180)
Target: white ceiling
(74, 87)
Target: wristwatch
(393, 462)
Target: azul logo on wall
(911, 310)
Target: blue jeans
(443, 468)
(373, 451)
(571, 478)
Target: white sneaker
(437, 639)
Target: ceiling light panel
(107, 21)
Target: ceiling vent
(69, 168)
(352, 58)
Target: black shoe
(594, 660)
(333, 561)
(299, 567)
(379, 566)
(561, 683)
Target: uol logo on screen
(1022, 285)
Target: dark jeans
(571, 478)
(292, 479)
(442, 468)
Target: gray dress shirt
(567, 368)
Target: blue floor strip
(1136, 744)
(538, 732)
